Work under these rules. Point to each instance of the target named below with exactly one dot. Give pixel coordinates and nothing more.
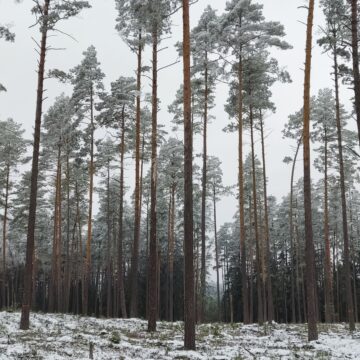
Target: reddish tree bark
(30, 242)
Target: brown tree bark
(4, 233)
(189, 304)
(135, 249)
(203, 199)
(329, 304)
(293, 316)
(30, 242)
(216, 256)
(108, 274)
(68, 259)
(244, 284)
(153, 260)
(259, 267)
(89, 229)
(54, 288)
(171, 255)
(267, 271)
(309, 244)
(355, 59)
(347, 272)
(121, 289)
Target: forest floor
(57, 336)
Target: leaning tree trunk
(355, 59)
(135, 249)
(203, 200)
(6, 206)
(189, 304)
(309, 244)
(152, 272)
(121, 289)
(30, 248)
(347, 272)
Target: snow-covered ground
(57, 336)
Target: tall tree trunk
(216, 256)
(203, 200)
(355, 59)
(153, 301)
(108, 276)
(329, 307)
(135, 249)
(91, 191)
(347, 272)
(68, 260)
(30, 242)
(54, 294)
(259, 268)
(189, 304)
(4, 233)
(309, 244)
(244, 284)
(267, 270)
(171, 255)
(121, 215)
(293, 317)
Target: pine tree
(334, 10)
(87, 80)
(310, 252)
(48, 14)
(189, 303)
(117, 110)
(12, 151)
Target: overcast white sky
(96, 26)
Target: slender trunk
(91, 190)
(54, 294)
(309, 244)
(203, 200)
(68, 257)
(347, 273)
(121, 212)
(216, 256)
(135, 249)
(171, 255)
(189, 304)
(329, 308)
(292, 227)
(259, 269)
(244, 284)
(251, 272)
(267, 270)
(355, 59)
(153, 235)
(30, 248)
(108, 247)
(3, 286)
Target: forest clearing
(189, 184)
(57, 337)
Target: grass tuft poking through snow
(58, 336)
